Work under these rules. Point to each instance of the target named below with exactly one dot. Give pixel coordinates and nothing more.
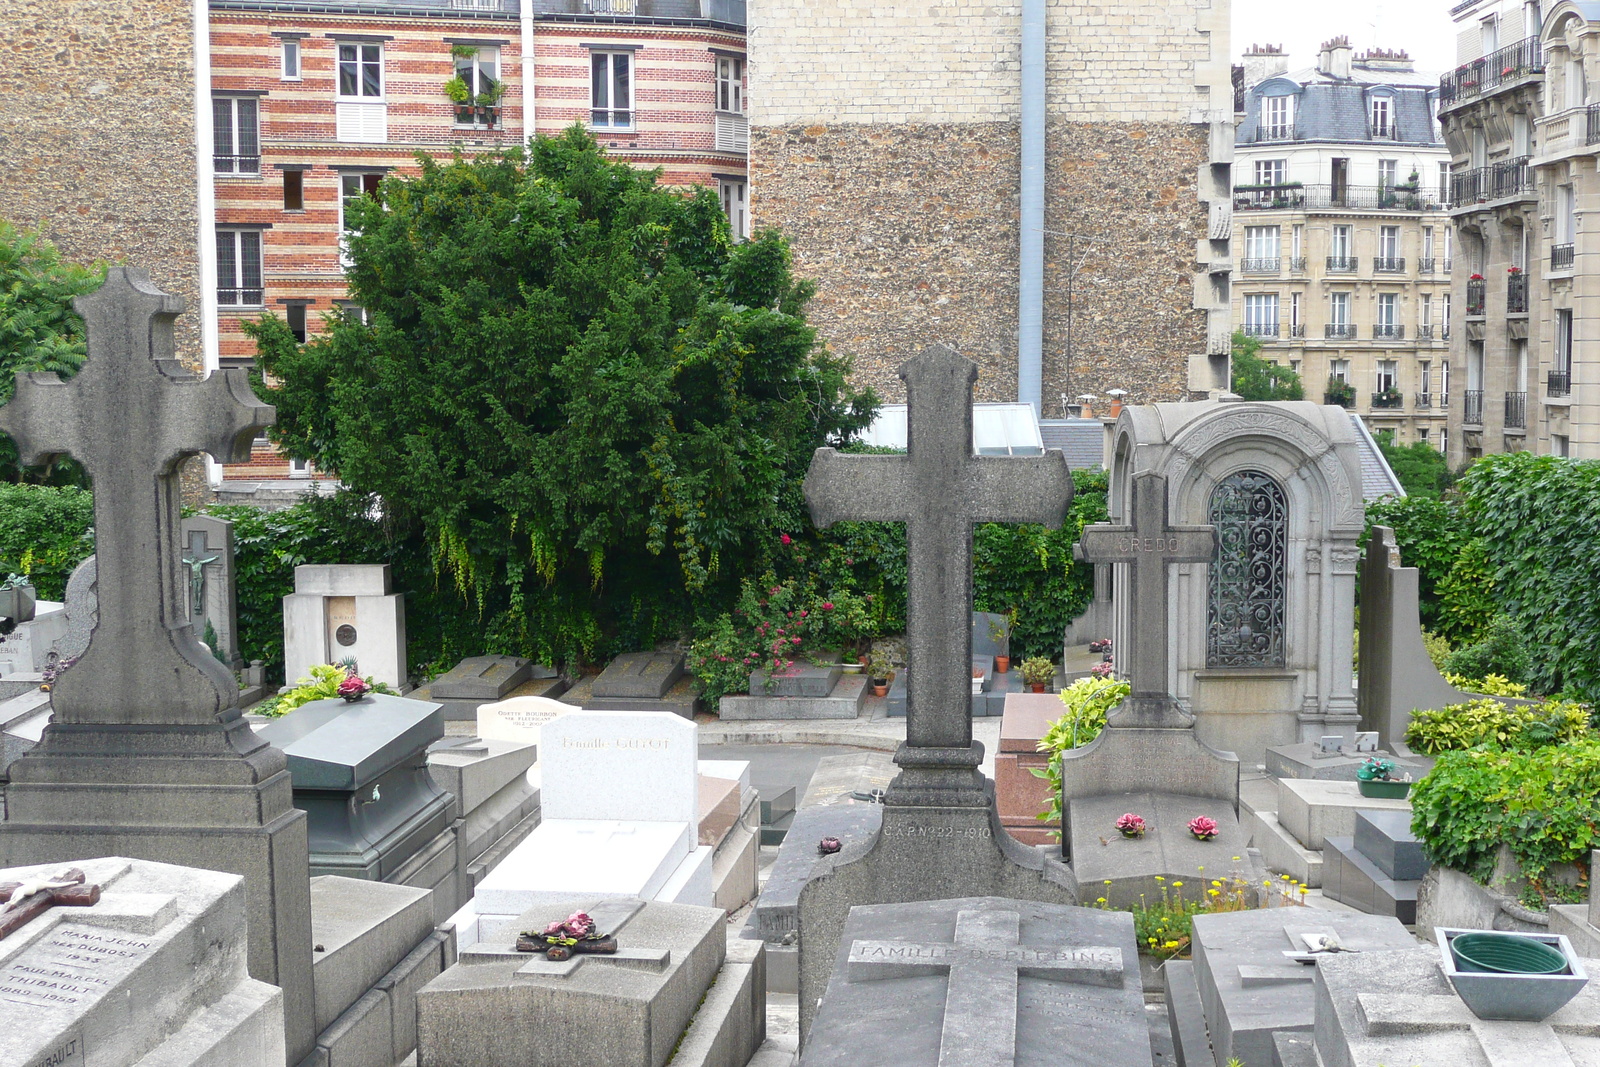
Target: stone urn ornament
(576, 934)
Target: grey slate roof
(1377, 477)
(1083, 440)
(1335, 109)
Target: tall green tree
(39, 331)
(1255, 378)
(1420, 466)
(594, 406)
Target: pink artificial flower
(353, 688)
(1131, 824)
(1203, 827)
(785, 539)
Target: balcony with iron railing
(1339, 331)
(1422, 401)
(1388, 331)
(1494, 71)
(1425, 265)
(1297, 264)
(1351, 197)
(1260, 265)
(1389, 264)
(1561, 256)
(1517, 294)
(1273, 133)
(1475, 296)
(1472, 407)
(1261, 329)
(1592, 124)
(1516, 411)
(1297, 329)
(1498, 181)
(249, 166)
(1558, 383)
(1388, 399)
(1342, 264)
(1425, 332)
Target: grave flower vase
(1383, 790)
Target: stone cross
(196, 559)
(983, 963)
(1504, 1044)
(26, 901)
(1148, 545)
(132, 416)
(938, 489)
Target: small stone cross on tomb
(1148, 546)
(26, 901)
(939, 488)
(1504, 1044)
(132, 416)
(984, 962)
(196, 559)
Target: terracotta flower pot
(1036, 687)
(1002, 664)
(881, 690)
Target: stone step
(1386, 839)
(1281, 852)
(1352, 878)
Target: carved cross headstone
(26, 901)
(938, 489)
(1148, 545)
(983, 962)
(132, 416)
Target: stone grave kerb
(941, 836)
(148, 755)
(131, 417)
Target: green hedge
(1490, 722)
(45, 531)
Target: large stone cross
(132, 416)
(938, 489)
(983, 962)
(1148, 545)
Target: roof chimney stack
(1263, 61)
(1334, 60)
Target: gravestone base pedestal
(210, 796)
(941, 838)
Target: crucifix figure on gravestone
(983, 964)
(197, 560)
(939, 488)
(1148, 545)
(26, 901)
(131, 417)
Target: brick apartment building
(314, 103)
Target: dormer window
(1380, 115)
(1277, 118)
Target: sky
(1422, 28)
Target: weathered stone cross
(132, 416)
(1148, 545)
(938, 489)
(983, 962)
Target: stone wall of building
(97, 136)
(910, 231)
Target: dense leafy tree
(594, 407)
(1255, 378)
(39, 331)
(1420, 466)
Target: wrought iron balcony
(1559, 383)
(1339, 331)
(1297, 264)
(239, 297)
(1507, 178)
(1425, 264)
(1358, 197)
(1342, 264)
(1388, 398)
(1517, 294)
(1444, 335)
(1261, 265)
(1261, 329)
(1274, 133)
(246, 165)
(1475, 295)
(1516, 411)
(1389, 264)
(1297, 330)
(1425, 332)
(1388, 331)
(1561, 257)
(1472, 407)
(1492, 71)
(1422, 401)
(1444, 399)
(1592, 127)
(1448, 264)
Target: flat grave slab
(481, 680)
(1303, 760)
(844, 701)
(1250, 990)
(1379, 1009)
(1315, 809)
(152, 973)
(630, 1008)
(982, 982)
(987, 702)
(1100, 855)
(639, 676)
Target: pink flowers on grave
(1131, 825)
(353, 688)
(1203, 828)
(1102, 669)
(576, 926)
(829, 845)
(1102, 646)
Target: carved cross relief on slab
(939, 488)
(132, 416)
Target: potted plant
(489, 103)
(881, 671)
(17, 598)
(1000, 629)
(1375, 778)
(1339, 392)
(1037, 672)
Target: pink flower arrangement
(1203, 827)
(574, 927)
(1103, 645)
(1131, 825)
(829, 845)
(353, 688)
(1513, 270)
(1102, 669)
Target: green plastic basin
(1506, 954)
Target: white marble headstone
(519, 719)
(626, 765)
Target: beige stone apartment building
(1342, 246)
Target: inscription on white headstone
(66, 967)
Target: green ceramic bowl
(1506, 954)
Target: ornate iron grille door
(1244, 615)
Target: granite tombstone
(941, 835)
(148, 755)
(345, 612)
